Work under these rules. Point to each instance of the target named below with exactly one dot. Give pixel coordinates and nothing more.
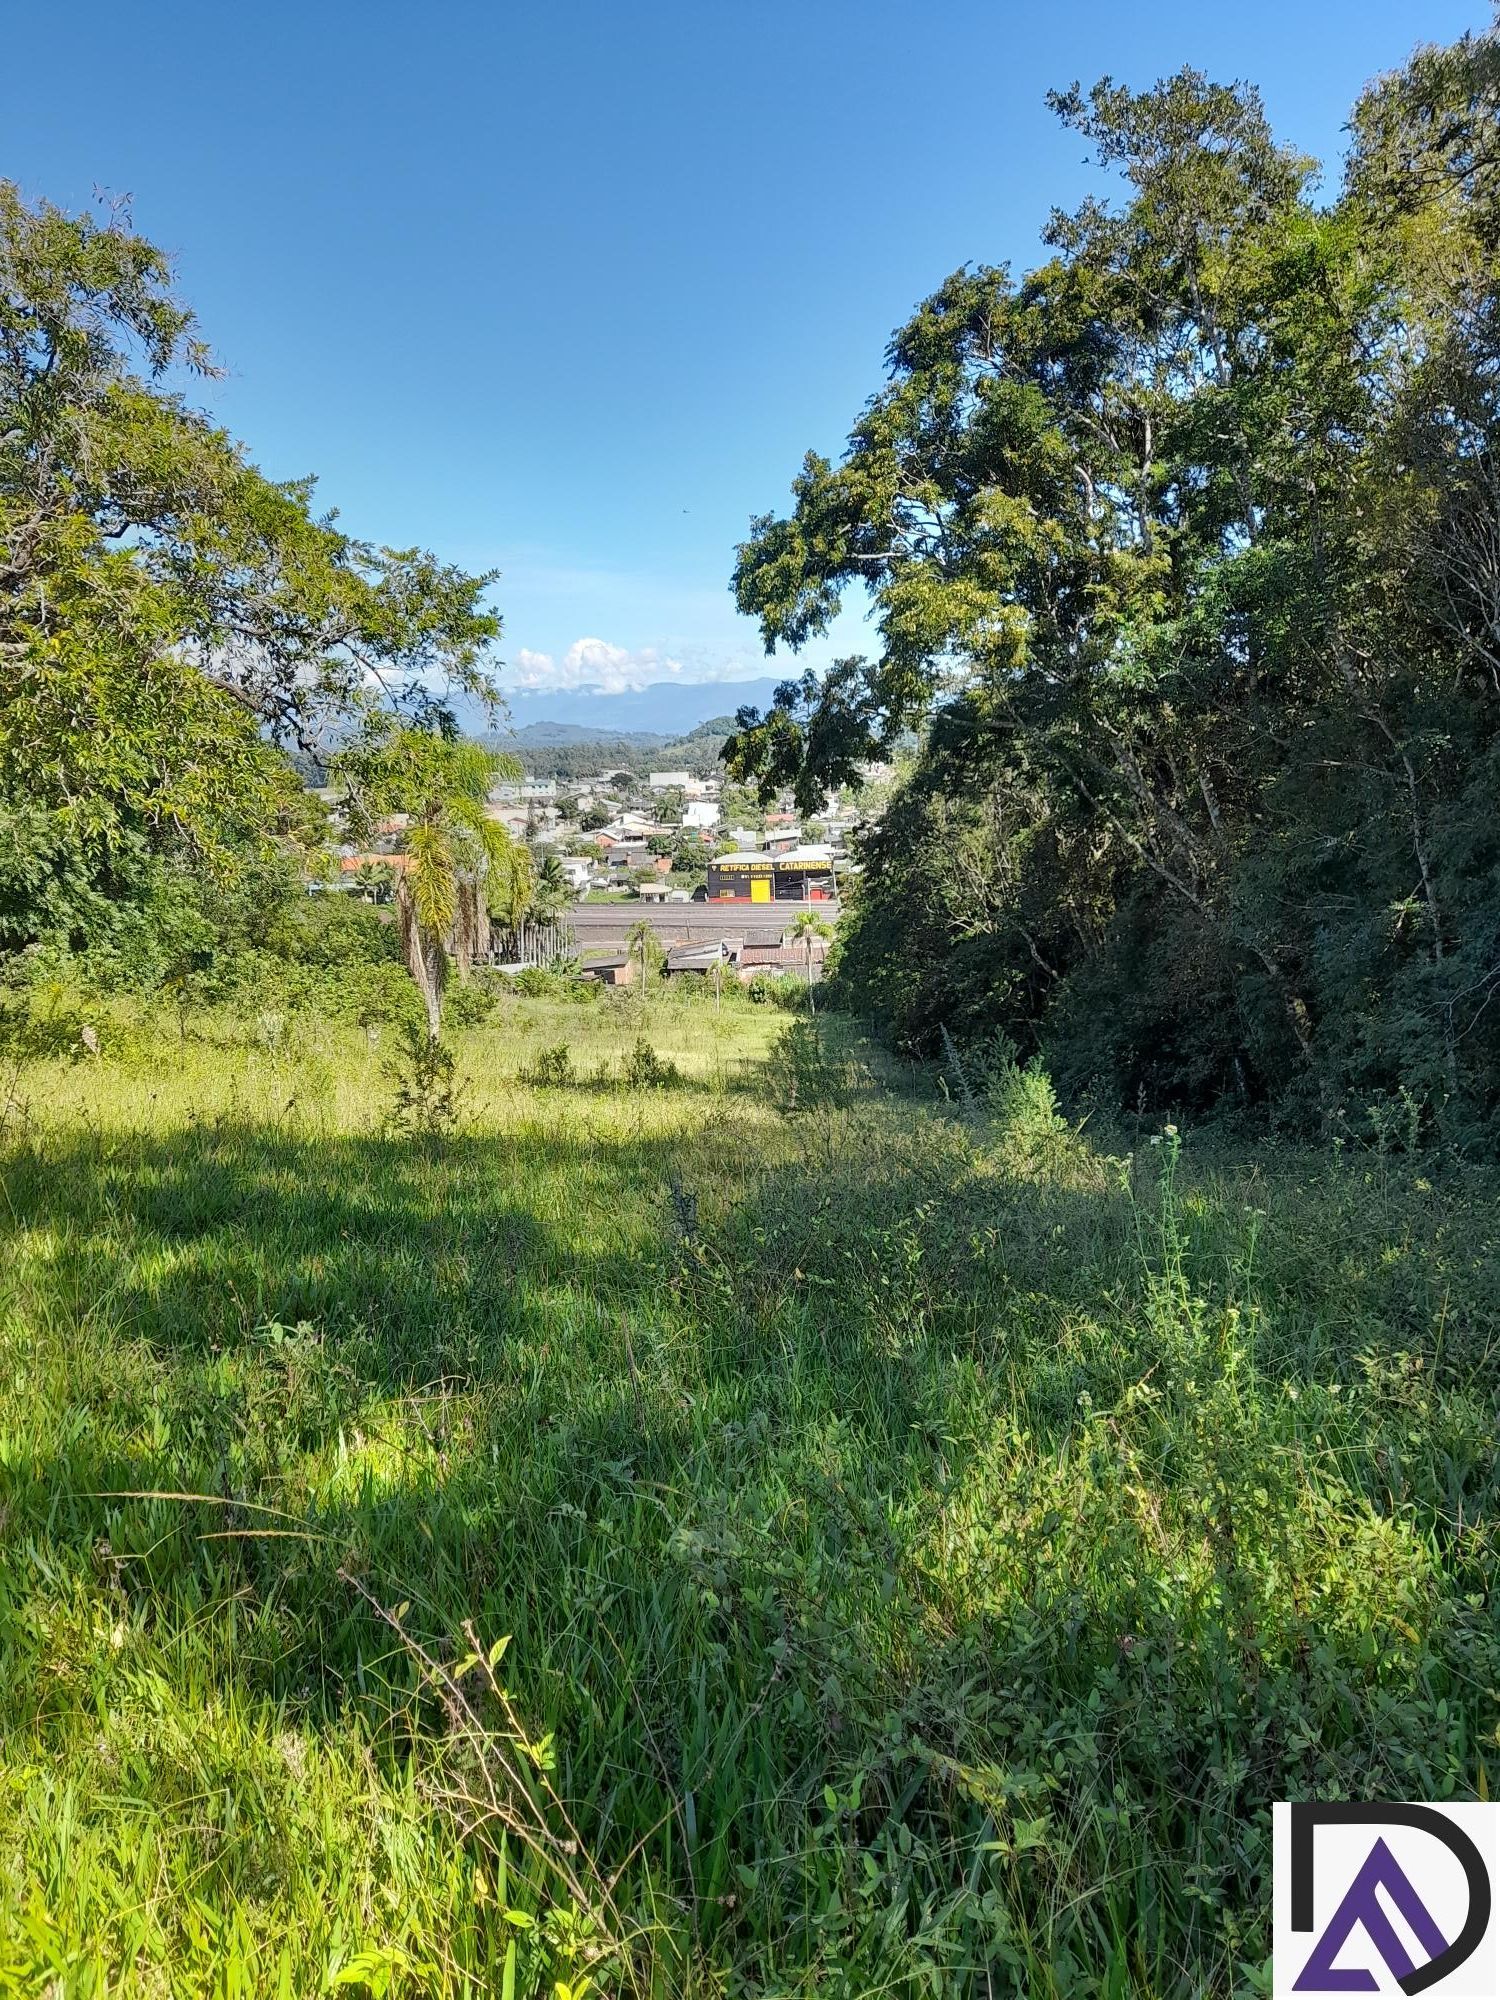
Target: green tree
(689, 857)
(166, 611)
(551, 892)
(644, 946)
(374, 879)
(463, 864)
(1181, 549)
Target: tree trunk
(425, 958)
(470, 936)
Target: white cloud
(595, 663)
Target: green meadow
(793, 1527)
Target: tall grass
(923, 1547)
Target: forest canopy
(1185, 546)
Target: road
(602, 927)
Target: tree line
(1183, 549)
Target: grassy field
(926, 1545)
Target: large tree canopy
(166, 611)
(1192, 534)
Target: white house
(509, 790)
(578, 869)
(700, 813)
(669, 781)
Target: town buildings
(801, 875)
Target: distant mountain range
(665, 709)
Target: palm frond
(434, 879)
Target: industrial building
(805, 875)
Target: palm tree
(459, 860)
(372, 879)
(551, 893)
(807, 927)
(511, 883)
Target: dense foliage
(1192, 537)
(168, 613)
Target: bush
(333, 932)
(810, 1078)
(550, 1068)
(696, 989)
(426, 1079)
(470, 1002)
(47, 1018)
(535, 983)
(778, 989)
(371, 995)
(644, 1069)
(989, 1077)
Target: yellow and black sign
(766, 878)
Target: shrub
(778, 989)
(535, 984)
(644, 1069)
(425, 1077)
(1396, 1119)
(371, 995)
(1021, 1100)
(810, 1078)
(696, 989)
(470, 1002)
(551, 1067)
(42, 1023)
(562, 982)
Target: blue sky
(567, 289)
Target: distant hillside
(568, 751)
(714, 730)
(548, 735)
(667, 710)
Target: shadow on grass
(847, 1490)
(195, 1240)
